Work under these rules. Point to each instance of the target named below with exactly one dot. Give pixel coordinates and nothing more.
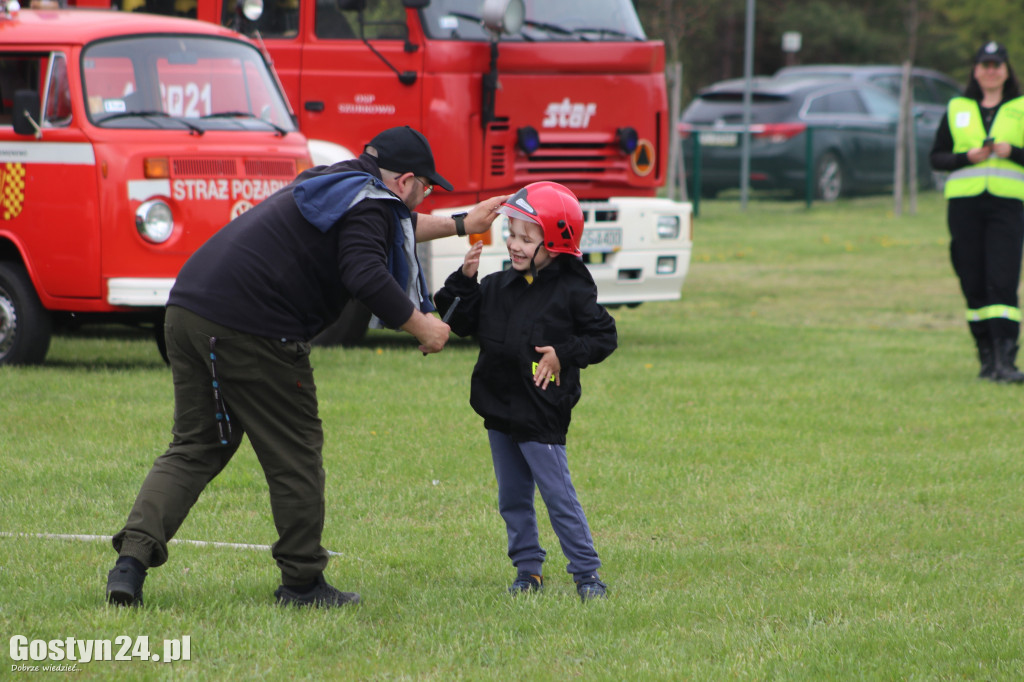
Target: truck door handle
(314, 106)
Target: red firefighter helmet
(555, 208)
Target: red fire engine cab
(126, 140)
(508, 92)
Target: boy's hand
(471, 264)
(548, 367)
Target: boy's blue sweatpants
(519, 466)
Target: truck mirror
(503, 16)
(26, 112)
(252, 9)
(352, 5)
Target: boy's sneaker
(590, 587)
(321, 595)
(526, 582)
(124, 585)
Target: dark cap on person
(404, 150)
(991, 52)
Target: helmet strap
(533, 266)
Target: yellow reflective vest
(1000, 177)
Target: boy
(538, 325)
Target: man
(238, 324)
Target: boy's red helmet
(555, 208)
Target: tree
(972, 24)
(708, 37)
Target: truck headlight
(154, 221)
(668, 226)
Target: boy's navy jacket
(509, 317)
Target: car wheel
(25, 325)
(828, 177)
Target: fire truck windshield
(182, 82)
(546, 20)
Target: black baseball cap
(404, 150)
(991, 52)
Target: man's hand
(483, 214)
(429, 330)
(477, 221)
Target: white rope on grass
(175, 541)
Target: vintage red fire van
(126, 140)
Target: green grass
(791, 473)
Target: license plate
(601, 239)
(719, 139)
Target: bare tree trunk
(902, 127)
(913, 21)
(676, 181)
(730, 40)
(906, 135)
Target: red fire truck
(125, 142)
(507, 92)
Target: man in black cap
(238, 324)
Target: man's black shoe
(124, 585)
(321, 595)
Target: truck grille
(270, 167)
(562, 157)
(571, 159)
(206, 168)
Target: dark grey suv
(932, 89)
(853, 136)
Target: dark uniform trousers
(987, 234)
(268, 391)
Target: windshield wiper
(153, 114)
(550, 28)
(281, 132)
(476, 20)
(608, 32)
(467, 17)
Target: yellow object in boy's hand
(536, 366)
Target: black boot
(1006, 371)
(987, 356)
(124, 582)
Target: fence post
(695, 194)
(809, 178)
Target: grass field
(791, 474)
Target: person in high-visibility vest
(980, 142)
